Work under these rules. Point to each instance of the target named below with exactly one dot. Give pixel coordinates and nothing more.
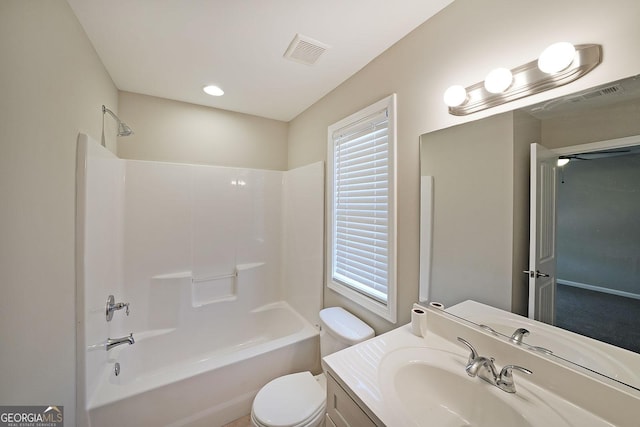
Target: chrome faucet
(113, 306)
(114, 342)
(518, 335)
(517, 338)
(484, 368)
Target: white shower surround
(164, 237)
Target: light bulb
(455, 96)
(213, 90)
(556, 57)
(563, 161)
(498, 80)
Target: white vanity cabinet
(342, 410)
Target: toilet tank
(341, 329)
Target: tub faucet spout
(114, 342)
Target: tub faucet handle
(113, 306)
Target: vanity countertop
(357, 370)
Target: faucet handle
(113, 306)
(473, 355)
(505, 380)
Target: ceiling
(173, 48)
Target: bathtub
(178, 377)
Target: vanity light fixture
(559, 64)
(213, 90)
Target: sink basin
(429, 387)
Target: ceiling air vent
(305, 50)
(597, 93)
(610, 90)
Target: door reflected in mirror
(480, 212)
(598, 246)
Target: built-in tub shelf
(209, 289)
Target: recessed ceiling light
(213, 90)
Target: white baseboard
(598, 289)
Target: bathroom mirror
(477, 215)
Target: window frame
(388, 310)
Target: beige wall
(174, 131)
(460, 45)
(52, 85)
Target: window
(361, 258)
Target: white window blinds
(361, 208)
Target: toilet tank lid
(345, 325)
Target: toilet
(300, 399)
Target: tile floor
(240, 422)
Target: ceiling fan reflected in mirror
(592, 155)
(563, 160)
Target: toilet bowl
(291, 400)
(299, 400)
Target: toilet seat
(293, 400)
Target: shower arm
(123, 128)
(106, 110)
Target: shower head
(123, 128)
